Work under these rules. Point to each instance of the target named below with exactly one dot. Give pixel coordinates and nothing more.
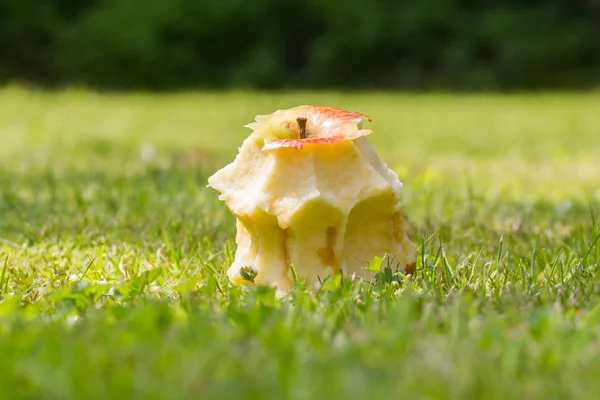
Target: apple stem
(302, 127)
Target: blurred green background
(282, 44)
(113, 251)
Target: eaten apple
(308, 190)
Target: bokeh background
(113, 252)
(282, 44)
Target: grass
(112, 254)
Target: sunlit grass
(113, 251)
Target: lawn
(113, 252)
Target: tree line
(279, 44)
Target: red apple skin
(336, 113)
(297, 144)
(332, 122)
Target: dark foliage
(171, 44)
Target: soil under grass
(113, 252)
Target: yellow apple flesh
(325, 204)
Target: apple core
(307, 189)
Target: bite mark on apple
(286, 250)
(327, 253)
(397, 227)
